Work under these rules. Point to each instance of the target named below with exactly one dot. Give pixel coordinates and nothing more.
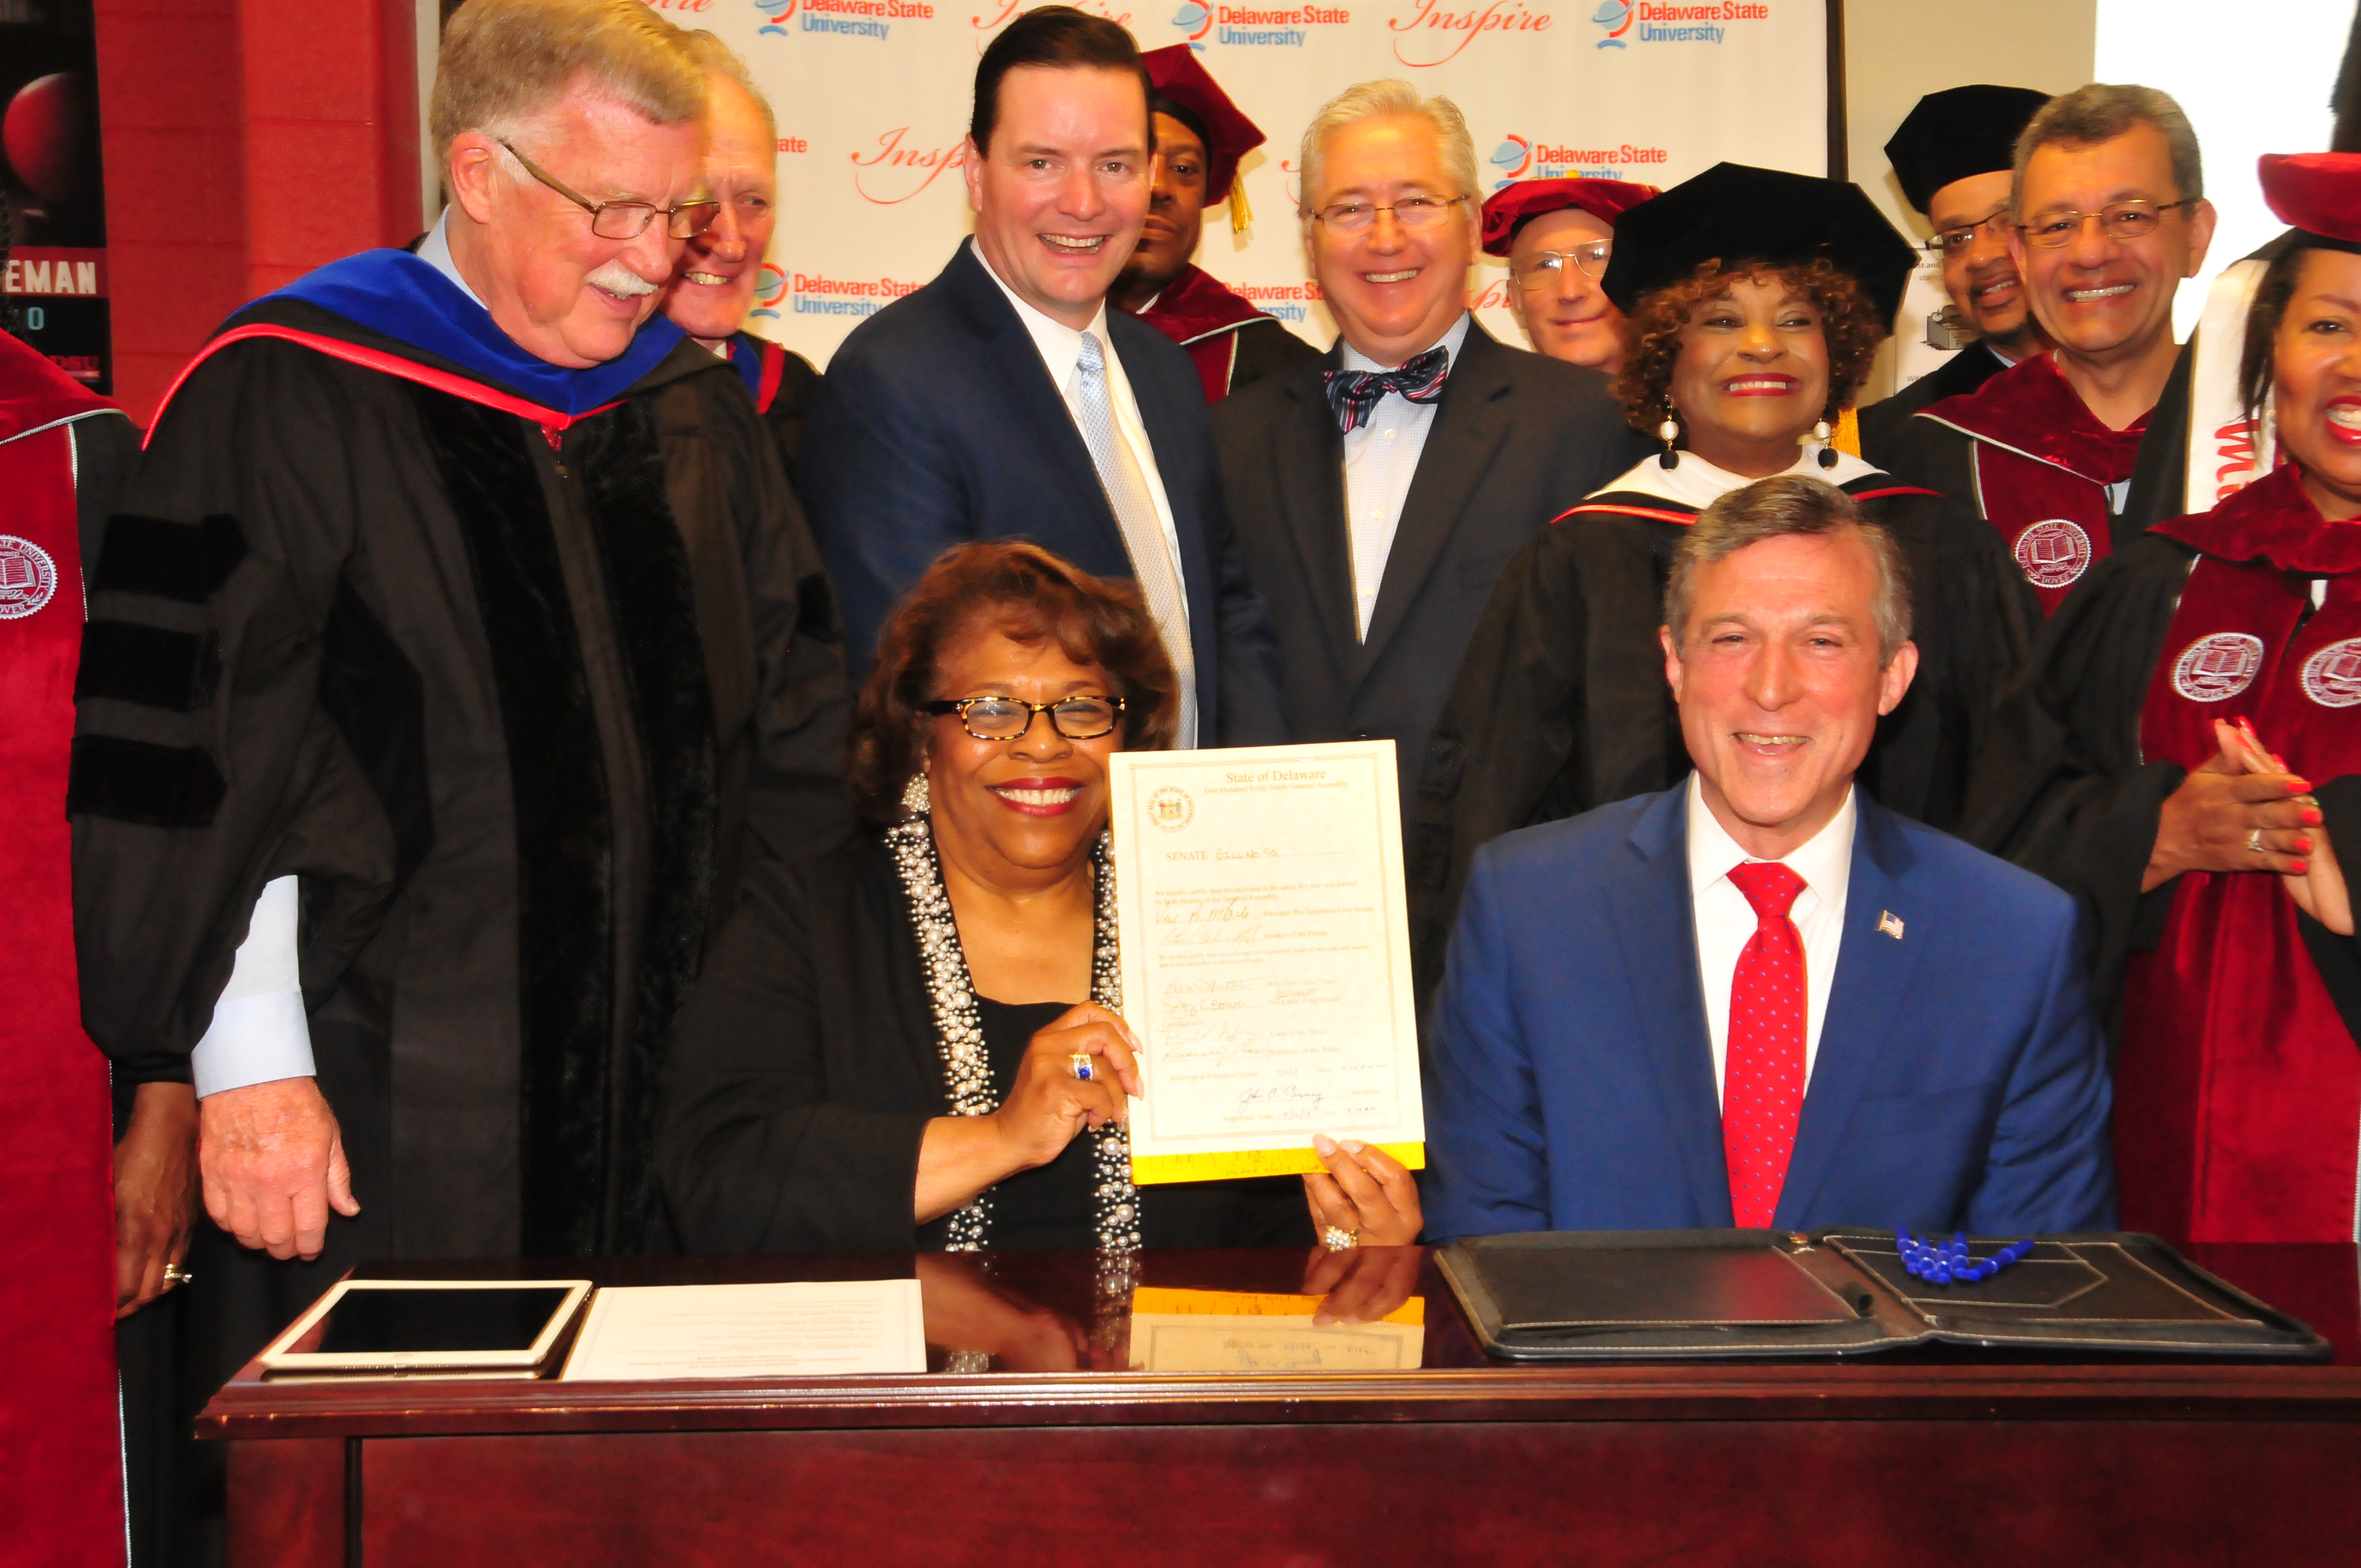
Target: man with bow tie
(1377, 494)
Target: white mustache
(617, 278)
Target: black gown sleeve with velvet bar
(804, 1071)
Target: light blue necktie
(1152, 566)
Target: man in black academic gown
(455, 646)
(1955, 154)
(1379, 492)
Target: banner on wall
(872, 99)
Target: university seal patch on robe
(2043, 466)
(2238, 1086)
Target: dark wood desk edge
(248, 1410)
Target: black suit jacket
(937, 422)
(1517, 439)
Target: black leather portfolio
(1632, 1294)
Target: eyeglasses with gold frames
(1010, 718)
(626, 220)
(2121, 222)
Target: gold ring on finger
(1078, 1064)
(175, 1274)
(1336, 1238)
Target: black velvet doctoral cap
(1959, 132)
(1732, 213)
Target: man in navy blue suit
(1004, 400)
(1759, 998)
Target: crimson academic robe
(62, 1480)
(516, 668)
(2034, 462)
(2239, 1080)
(1233, 343)
(1561, 703)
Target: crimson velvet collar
(2031, 409)
(2272, 519)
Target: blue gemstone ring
(1080, 1064)
(1948, 1262)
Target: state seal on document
(2052, 553)
(1171, 810)
(2217, 668)
(28, 577)
(2332, 678)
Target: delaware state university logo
(1615, 16)
(1512, 157)
(2217, 668)
(28, 577)
(1195, 21)
(2332, 678)
(2053, 554)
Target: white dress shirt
(260, 1032)
(1726, 922)
(1061, 351)
(1380, 461)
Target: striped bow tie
(1353, 395)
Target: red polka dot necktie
(1762, 1070)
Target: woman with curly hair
(912, 1043)
(1756, 301)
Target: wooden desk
(1920, 1458)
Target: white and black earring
(915, 799)
(1671, 432)
(1827, 453)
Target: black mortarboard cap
(1732, 213)
(1959, 132)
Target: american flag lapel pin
(1890, 923)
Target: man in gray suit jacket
(1376, 495)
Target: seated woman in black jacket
(883, 1053)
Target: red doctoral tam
(1184, 85)
(2319, 193)
(1507, 209)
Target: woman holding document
(912, 1043)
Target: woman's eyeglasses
(1009, 719)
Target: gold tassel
(1848, 436)
(1241, 214)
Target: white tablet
(483, 1326)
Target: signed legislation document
(1266, 957)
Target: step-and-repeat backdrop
(872, 99)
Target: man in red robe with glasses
(2111, 217)
(1200, 136)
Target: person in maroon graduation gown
(2211, 857)
(1200, 136)
(1556, 237)
(61, 1485)
(2111, 217)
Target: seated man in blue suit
(1004, 400)
(1759, 998)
